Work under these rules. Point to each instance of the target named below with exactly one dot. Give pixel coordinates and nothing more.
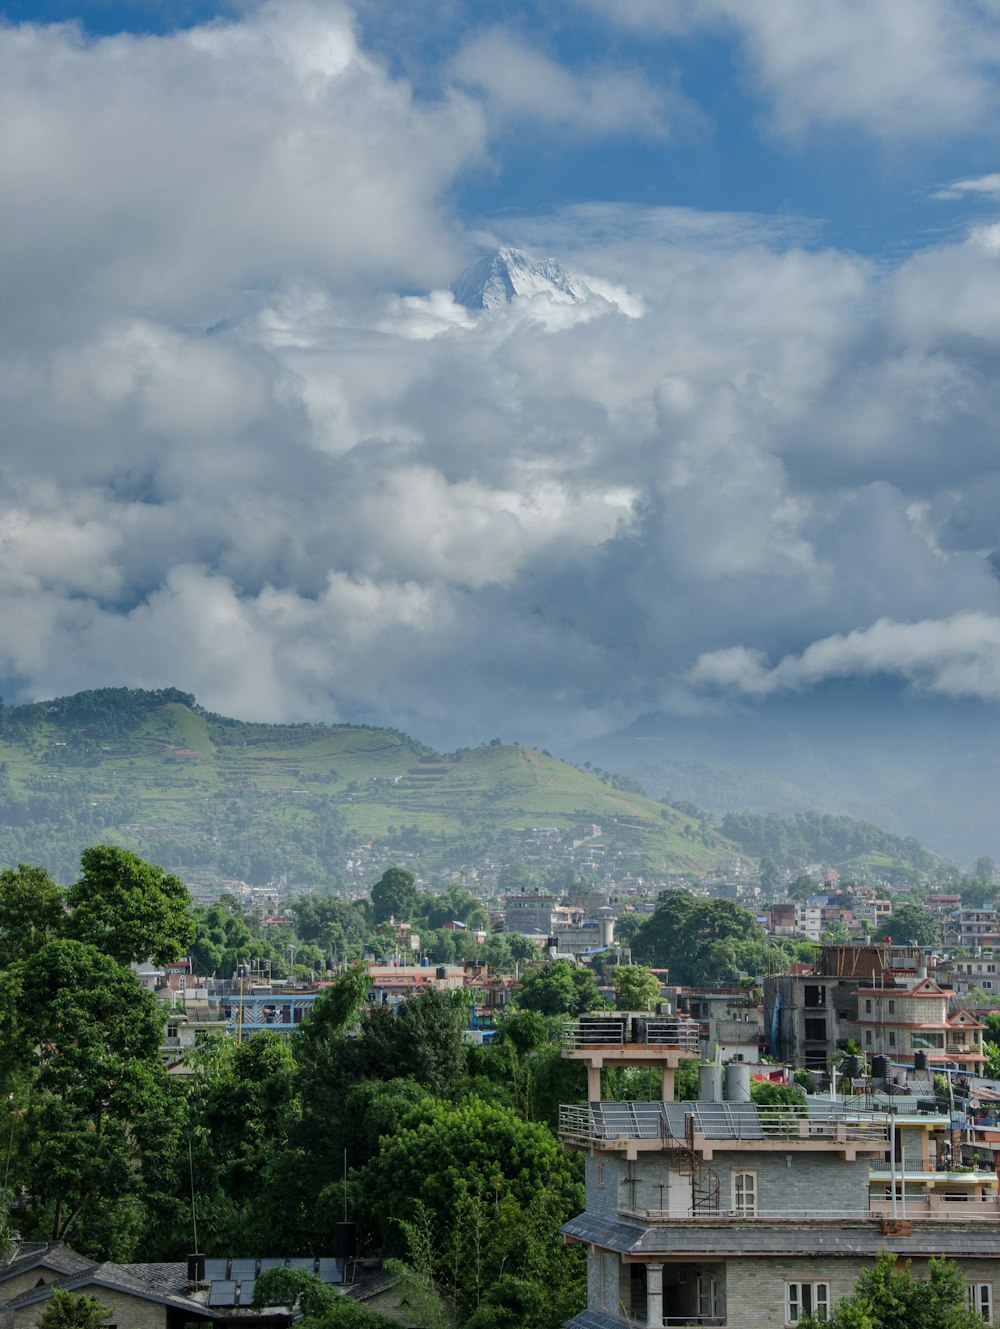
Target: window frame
(738, 1182)
(980, 1302)
(819, 1302)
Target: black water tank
(441, 971)
(880, 1068)
(196, 1268)
(851, 1067)
(345, 1241)
(920, 1061)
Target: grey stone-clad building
(723, 1213)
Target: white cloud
(521, 82)
(900, 70)
(149, 172)
(957, 656)
(983, 186)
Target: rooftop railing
(613, 1125)
(621, 1031)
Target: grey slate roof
(165, 1283)
(592, 1320)
(45, 1255)
(756, 1238)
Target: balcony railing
(620, 1031)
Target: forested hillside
(816, 837)
(218, 797)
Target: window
(892, 1008)
(892, 1038)
(709, 1300)
(745, 1194)
(868, 1038)
(868, 1005)
(980, 1298)
(806, 1299)
(600, 1176)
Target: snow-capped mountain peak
(498, 277)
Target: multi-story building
(530, 913)
(878, 996)
(725, 1213)
(904, 1023)
(965, 973)
(969, 929)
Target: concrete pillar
(654, 1295)
(593, 1084)
(668, 1084)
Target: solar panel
(331, 1270)
(216, 1269)
(303, 1262)
(272, 1262)
(246, 1291)
(222, 1293)
(244, 1269)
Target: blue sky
(865, 190)
(756, 458)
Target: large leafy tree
(98, 1137)
(910, 923)
(560, 987)
(472, 1194)
(636, 987)
(129, 909)
(701, 941)
(395, 895)
(32, 912)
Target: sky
(253, 448)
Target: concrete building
(868, 994)
(720, 1212)
(530, 913)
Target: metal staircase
(705, 1187)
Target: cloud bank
(253, 448)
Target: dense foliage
(451, 1165)
(818, 837)
(703, 941)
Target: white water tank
(710, 1083)
(738, 1082)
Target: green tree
(423, 1041)
(289, 1287)
(128, 908)
(483, 1193)
(701, 941)
(394, 895)
(887, 1296)
(32, 912)
(73, 1310)
(636, 987)
(99, 1136)
(983, 869)
(909, 924)
(558, 987)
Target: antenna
(194, 1215)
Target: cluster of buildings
(720, 1211)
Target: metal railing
(784, 1121)
(613, 1125)
(595, 1031)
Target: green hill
(217, 797)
